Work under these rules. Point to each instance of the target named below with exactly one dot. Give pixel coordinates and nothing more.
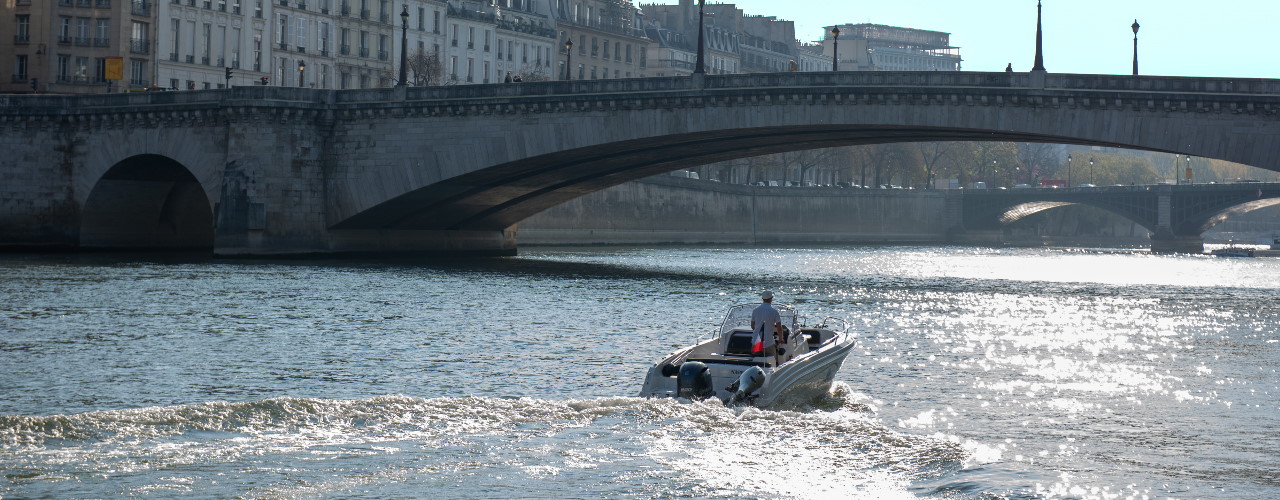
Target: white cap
(766, 295)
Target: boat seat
(739, 344)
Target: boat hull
(795, 383)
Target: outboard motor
(748, 383)
(694, 381)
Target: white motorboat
(723, 366)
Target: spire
(1039, 66)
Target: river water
(979, 373)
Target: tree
(426, 69)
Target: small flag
(757, 343)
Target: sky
(1224, 38)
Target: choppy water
(980, 373)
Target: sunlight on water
(978, 373)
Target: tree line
(996, 164)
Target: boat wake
(390, 445)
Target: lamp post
(700, 66)
(1090, 170)
(1188, 169)
(1135, 46)
(835, 48)
(568, 58)
(404, 46)
(302, 75)
(1068, 171)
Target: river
(979, 373)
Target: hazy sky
(1226, 38)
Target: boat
(723, 366)
(1231, 250)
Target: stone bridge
(1175, 215)
(261, 170)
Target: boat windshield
(739, 316)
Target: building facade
(76, 46)
(875, 47)
(608, 39)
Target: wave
(711, 448)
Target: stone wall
(673, 210)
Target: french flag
(757, 343)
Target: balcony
(384, 18)
(101, 42)
(65, 3)
(235, 9)
(191, 59)
(345, 10)
(300, 50)
(84, 3)
(208, 4)
(64, 40)
(382, 55)
(364, 14)
(284, 46)
(204, 60)
(345, 50)
(140, 46)
(364, 51)
(82, 42)
(324, 52)
(222, 62)
(21, 39)
(101, 4)
(302, 5)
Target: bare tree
(426, 69)
(534, 74)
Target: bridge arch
(147, 202)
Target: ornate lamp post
(700, 65)
(404, 46)
(1068, 170)
(568, 58)
(1135, 46)
(302, 68)
(835, 48)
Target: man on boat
(766, 324)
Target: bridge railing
(62, 104)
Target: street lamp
(302, 78)
(1068, 170)
(835, 48)
(1135, 47)
(1090, 170)
(1188, 169)
(568, 58)
(699, 66)
(404, 46)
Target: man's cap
(766, 295)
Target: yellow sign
(115, 68)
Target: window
(20, 67)
(64, 68)
(282, 37)
(470, 68)
(103, 35)
(435, 23)
(302, 35)
(64, 30)
(422, 19)
(23, 32)
(606, 50)
(235, 48)
(138, 72)
(82, 31)
(324, 39)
